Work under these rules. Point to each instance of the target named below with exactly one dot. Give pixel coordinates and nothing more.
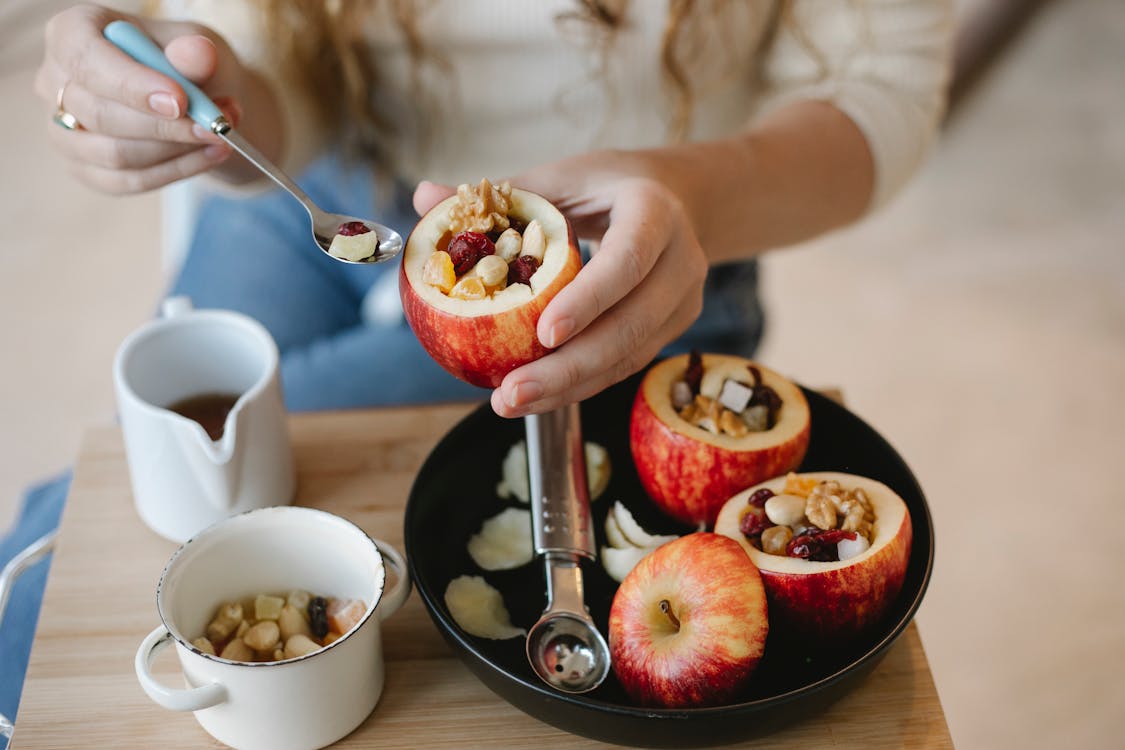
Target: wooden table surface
(100, 602)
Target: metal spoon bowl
(568, 653)
(325, 226)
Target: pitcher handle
(174, 699)
(392, 600)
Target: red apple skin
(717, 595)
(830, 604)
(689, 478)
(482, 349)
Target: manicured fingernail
(200, 132)
(524, 393)
(164, 105)
(215, 150)
(560, 332)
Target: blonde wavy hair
(323, 43)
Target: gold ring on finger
(61, 117)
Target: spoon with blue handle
(351, 240)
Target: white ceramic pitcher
(182, 480)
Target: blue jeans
(38, 515)
(256, 255)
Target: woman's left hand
(642, 287)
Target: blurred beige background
(979, 323)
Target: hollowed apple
(690, 471)
(688, 624)
(482, 340)
(834, 600)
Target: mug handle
(390, 601)
(174, 699)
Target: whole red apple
(690, 471)
(482, 340)
(830, 600)
(688, 624)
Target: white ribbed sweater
(525, 89)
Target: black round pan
(455, 491)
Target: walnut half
(481, 209)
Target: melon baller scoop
(564, 647)
(325, 226)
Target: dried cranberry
(756, 374)
(318, 616)
(759, 498)
(818, 544)
(693, 375)
(466, 248)
(754, 522)
(348, 229)
(521, 269)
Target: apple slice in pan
(478, 609)
(688, 624)
(796, 529)
(515, 482)
(504, 541)
(477, 272)
(628, 542)
(704, 427)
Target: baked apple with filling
(477, 272)
(704, 427)
(832, 549)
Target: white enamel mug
(297, 704)
(182, 480)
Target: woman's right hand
(134, 134)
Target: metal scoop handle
(564, 647)
(560, 502)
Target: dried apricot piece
(438, 271)
(468, 288)
(798, 485)
(344, 614)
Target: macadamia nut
(299, 645)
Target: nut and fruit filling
(354, 241)
(741, 407)
(272, 628)
(486, 248)
(810, 519)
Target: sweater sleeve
(883, 63)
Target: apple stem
(666, 608)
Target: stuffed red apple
(688, 624)
(832, 549)
(704, 427)
(477, 272)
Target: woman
(682, 142)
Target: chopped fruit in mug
(266, 628)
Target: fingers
(194, 55)
(580, 369)
(617, 343)
(114, 153)
(101, 115)
(76, 47)
(640, 222)
(127, 181)
(429, 194)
